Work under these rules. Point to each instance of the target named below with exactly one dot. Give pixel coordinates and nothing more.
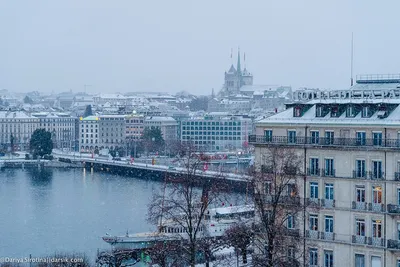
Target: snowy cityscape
(212, 134)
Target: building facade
(167, 125)
(88, 133)
(216, 133)
(112, 131)
(350, 148)
(60, 125)
(16, 127)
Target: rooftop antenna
(351, 67)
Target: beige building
(112, 131)
(167, 125)
(350, 146)
(88, 133)
(19, 126)
(60, 125)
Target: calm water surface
(68, 210)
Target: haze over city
(171, 46)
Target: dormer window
(319, 111)
(350, 111)
(297, 112)
(334, 111)
(365, 112)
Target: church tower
(236, 78)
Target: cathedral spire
(239, 70)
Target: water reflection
(40, 177)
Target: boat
(216, 222)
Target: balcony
(291, 232)
(328, 203)
(328, 173)
(376, 241)
(289, 200)
(393, 209)
(393, 244)
(376, 175)
(355, 205)
(359, 174)
(328, 236)
(359, 239)
(325, 142)
(377, 207)
(312, 234)
(313, 202)
(313, 172)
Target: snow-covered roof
(309, 118)
(160, 119)
(15, 115)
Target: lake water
(68, 210)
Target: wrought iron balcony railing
(393, 209)
(313, 171)
(371, 175)
(313, 234)
(325, 141)
(328, 173)
(359, 239)
(393, 244)
(328, 236)
(355, 205)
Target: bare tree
(278, 208)
(240, 237)
(184, 201)
(115, 258)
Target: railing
(358, 239)
(355, 205)
(393, 209)
(371, 175)
(313, 202)
(328, 173)
(393, 244)
(376, 241)
(282, 199)
(312, 234)
(328, 203)
(291, 232)
(325, 141)
(313, 172)
(328, 236)
(378, 207)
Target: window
(377, 138)
(268, 135)
(314, 222)
(360, 227)
(329, 191)
(360, 136)
(377, 170)
(329, 170)
(291, 190)
(291, 253)
(297, 112)
(314, 137)
(377, 194)
(350, 111)
(360, 168)
(360, 260)
(314, 166)
(377, 228)
(376, 261)
(313, 256)
(290, 221)
(365, 112)
(360, 194)
(328, 224)
(319, 111)
(291, 137)
(328, 258)
(398, 196)
(329, 137)
(314, 190)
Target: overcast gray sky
(131, 45)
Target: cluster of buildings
(349, 145)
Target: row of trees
(273, 234)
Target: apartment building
(112, 131)
(216, 133)
(60, 125)
(349, 142)
(19, 126)
(88, 133)
(134, 126)
(167, 125)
